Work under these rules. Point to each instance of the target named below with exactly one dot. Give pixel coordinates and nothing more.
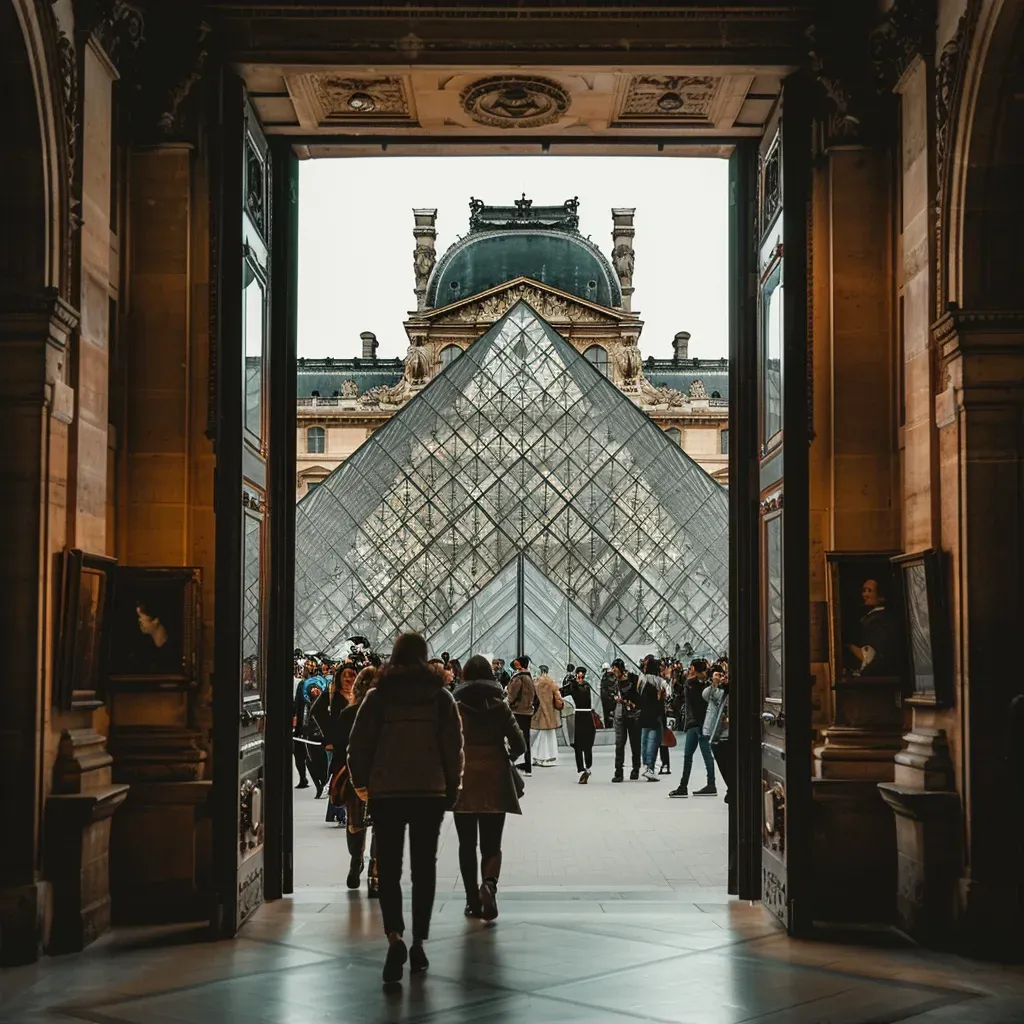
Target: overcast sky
(356, 241)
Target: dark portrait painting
(868, 630)
(154, 624)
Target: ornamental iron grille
(519, 498)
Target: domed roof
(542, 243)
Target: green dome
(486, 259)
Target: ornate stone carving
(515, 101)
(554, 308)
(631, 365)
(69, 98)
(423, 256)
(171, 121)
(669, 98)
(697, 389)
(650, 395)
(117, 25)
(250, 893)
(384, 394)
(907, 30)
(417, 364)
(773, 893)
(342, 100)
(623, 259)
(349, 389)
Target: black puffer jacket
(488, 786)
(695, 707)
(406, 740)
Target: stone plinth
(161, 854)
(853, 853)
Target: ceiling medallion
(682, 98)
(515, 101)
(361, 101)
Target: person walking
(308, 738)
(652, 711)
(491, 786)
(405, 759)
(609, 687)
(627, 720)
(521, 696)
(582, 695)
(694, 710)
(547, 720)
(325, 713)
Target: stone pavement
(613, 841)
(613, 910)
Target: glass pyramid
(518, 504)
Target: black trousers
(524, 726)
(608, 706)
(627, 728)
(316, 758)
(583, 741)
(357, 848)
(490, 828)
(299, 752)
(423, 817)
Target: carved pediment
(555, 306)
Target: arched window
(449, 354)
(675, 435)
(316, 440)
(597, 356)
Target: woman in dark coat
(326, 712)
(405, 759)
(582, 694)
(489, 783)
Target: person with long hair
(405, 758)
(326, 713)
(491, 786)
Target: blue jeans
(692, 739)
(650, 740)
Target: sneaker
(418, 961)
(664, 770)
(526, 775)
(585, 777)
(706, 791)
(489, 900)
(634, 774)
(651, 777)
(617, 777)
(679, 793)
(394, 962)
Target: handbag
(668, 737)
(598, 724)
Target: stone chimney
(423, 256)
(622, 252)
(369, 344)
(681, 346)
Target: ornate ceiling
(577, 103)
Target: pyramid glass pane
(520, 494)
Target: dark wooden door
(242, 237)
(782, 531)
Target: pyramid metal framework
(519, 499)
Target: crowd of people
(395, 744)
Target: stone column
(622, 252)
(423, 256)
(36, 408)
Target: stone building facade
(341, 401)
(150, 183)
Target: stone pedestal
(865, 737)
(928, 826)
(161, 845)
(853, 856)
(77, 840)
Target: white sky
(356, 241)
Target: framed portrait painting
(154, 627)
(927, 628)
(866, 622)
(86, 592)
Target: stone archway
(36, 407)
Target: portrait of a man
(872, 647)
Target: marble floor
(613, 909)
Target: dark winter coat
(695, 707)
(609, 687)
(334, 717)
(487, 722)
(652, 704)
(521, 692)
(628, 703)
(406, 740)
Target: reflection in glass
(252, 668)
(252, 338)
(771, 356)
(773, 606)
(516, 448)
(915, 580)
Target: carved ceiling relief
(515, 101)
(324, 100)
(669, 98)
